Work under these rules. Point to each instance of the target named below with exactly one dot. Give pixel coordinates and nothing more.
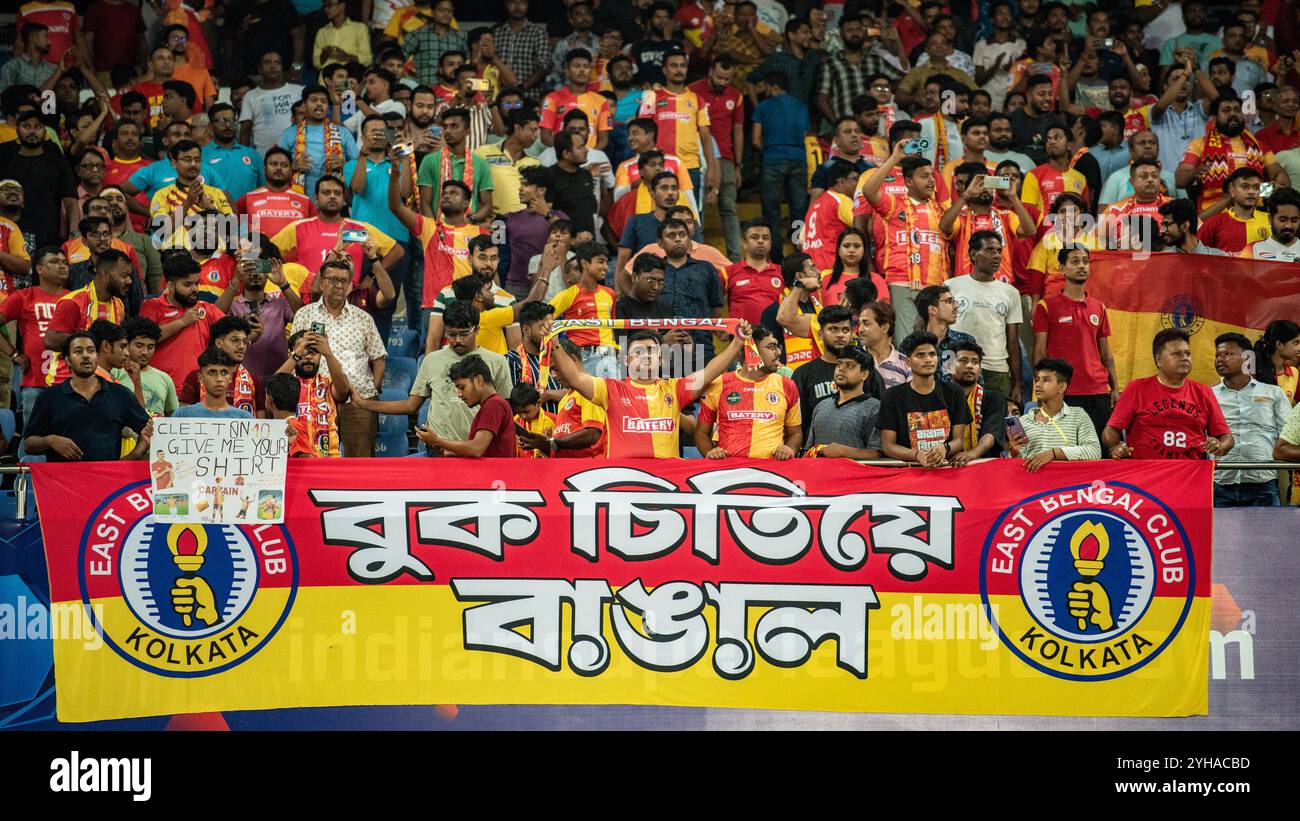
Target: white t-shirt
(1271, 249)
(353, 123)
(382, 11)
(271, 112)
(987, 55)
(984, 310)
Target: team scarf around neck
(940, 140)
(528, 372)
(1218, 164)
(333, 149)
(719, 324)
(975, 401)
(114, 313)
(447, 164)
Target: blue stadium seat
(402, 341)
(8, 426)
(389, 423)
(689, 452)
(422, 417)
(392, 395)
(392, 444)
(399, 373)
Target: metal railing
(22, 474)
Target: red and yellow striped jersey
(680, 118)
(576, 413)
(914, 246)
(1113, 220)
(575, 303)
(751, 416)
(642, 419)
(446, 254)
(1044, 184)
(562, 101)
(75, 311)
(943, 185)
(13, 242)
(1000, 221)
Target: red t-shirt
(33, 308)
(726, 108)
(75, 311)
(270, 211)
(178, 356)
(1074, 332)
(117, 172)
(576, 413)
(153, 92)
(60, 17)
(494, 415)
(1167, 423)
(116, 29)
(215, 273)
(750, 291)
(825, 221)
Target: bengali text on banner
(1079, 590)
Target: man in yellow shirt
(190, 194)
(342, 40)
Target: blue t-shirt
(236, 170)
(316, 150)
(784, 120)
(625, 110)
(154, 177)
(641, 230)
(372, 204)
(199, 412)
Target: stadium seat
(689, 452)
(399, 373)
(402, 342)
(391, 444)
(392, 395)
(388, 423)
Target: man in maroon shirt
(1073, 326)
(492, 433)
(726, 124)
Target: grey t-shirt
(852, 423)
(449, 416)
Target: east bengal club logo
(1089, 583)
(1182, 311)
(183, 600)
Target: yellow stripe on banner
(404, 645)
(1130, 343)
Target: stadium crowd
(355, 215)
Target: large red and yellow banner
(810, 584)
(1202, 294)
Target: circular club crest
(1087, 583)
(183, 600)
(1183, 312)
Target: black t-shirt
(95, 425)
(629, 307)
(1088, 166)
(268, 30)
(1030, 133)
(649, 58)
(576, 196)
(923, 420)
(46, 181)
(816, 381)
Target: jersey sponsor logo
(733, 398)
(637, 424)
(1094, 319)
(1091, 583)
(752, 415)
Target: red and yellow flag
(1202, 294)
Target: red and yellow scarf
(1218, 164)
(447, 164)
(974, 401)
(333, 150)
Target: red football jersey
(1167, 423)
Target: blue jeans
(1247, 494)
(783, 181)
